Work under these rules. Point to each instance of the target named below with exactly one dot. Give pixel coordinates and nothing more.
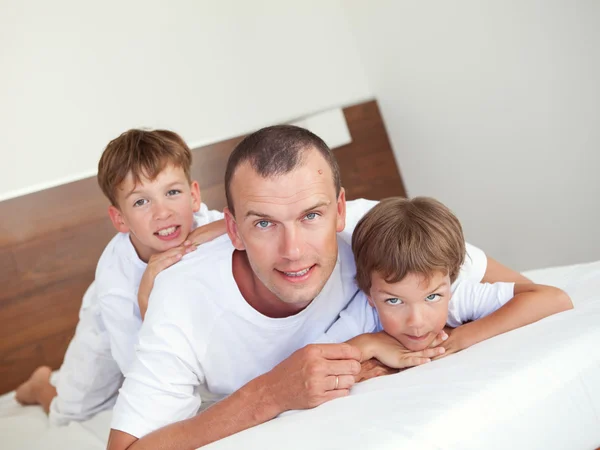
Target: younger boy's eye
(140, 202)
(173, 192)
(432, 297)
(393, 301)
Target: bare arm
(530, 303)
(311, 376)
(496, 272)
(207, 232)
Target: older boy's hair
(401, 236)
(141, 153)
(277, 150)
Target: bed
(535, 387)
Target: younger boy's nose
(160, 211)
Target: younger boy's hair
(141, 153)
(401, 236)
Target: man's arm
(496, 272)
(311, 376)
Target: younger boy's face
(413, 310)
(157, 213)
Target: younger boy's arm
(496, 272)
(530, 303)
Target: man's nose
(292, 245)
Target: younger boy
(154, 206)
(408, 254)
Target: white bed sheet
(535, 387)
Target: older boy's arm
(207, 232)
(531, 302)
(496, 272)
(311, 376)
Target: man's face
(413, 310)
(287, 225)
(157, 213)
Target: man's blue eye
(311, 216)
(263, 224)
(432, 297)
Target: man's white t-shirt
(104, 342)
(202, 341)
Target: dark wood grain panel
(50, 241)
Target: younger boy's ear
(370, 301)
(232, 230)
(196, 197)
(117, 219)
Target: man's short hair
(401, 236)
(277, 150)
(141, 153)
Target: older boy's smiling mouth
(169, 232)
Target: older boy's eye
(432, 297)
(173, 192)
(140, 202)
(393, 301)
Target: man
(234, 321)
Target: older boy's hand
(392, 353)
(157, 263)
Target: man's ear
(232, 230)
(196, 196)
(117, 219)
(341, 211)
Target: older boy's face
(413, 310)
(157, 213)
(287, 225)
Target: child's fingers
(412, 361)
(167, 261)
(441, 337)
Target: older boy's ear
(117, 219)
(341, 211)
(232, 230)
(196, 196)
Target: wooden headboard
(50, 241)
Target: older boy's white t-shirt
(118, 276)
(202, 341)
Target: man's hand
(313, 375)
(372, 368)
(157, 263)
(392, 353)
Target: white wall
(74, 75)
(494, 108)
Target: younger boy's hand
(157, 263)
(372, 368)
(392, 353)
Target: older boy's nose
(160, 211)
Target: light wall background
(74, 75)
(493, 107)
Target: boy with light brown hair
(157, 209)
(408, 255)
